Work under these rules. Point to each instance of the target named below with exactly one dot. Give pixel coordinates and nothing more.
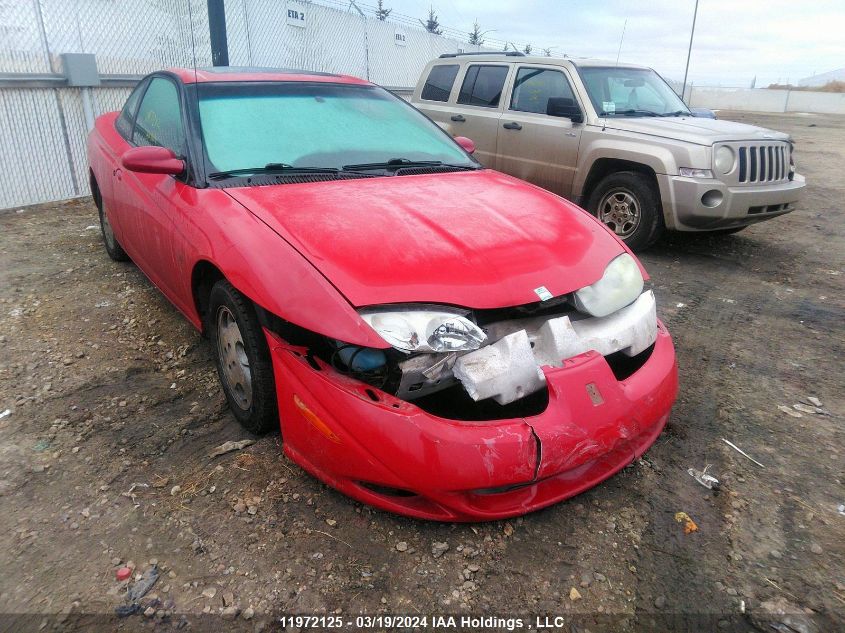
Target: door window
(127, 115)
(483, 86)
(535, 86)
(439, 83)
(159, 120)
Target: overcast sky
(776, 40)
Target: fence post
(217, 33)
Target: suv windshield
(297, 125)
(619, 91)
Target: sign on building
(296, 17)
(400, 38)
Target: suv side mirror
(564, 107)
(151, 159)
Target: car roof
(510, 58)
(248, 73)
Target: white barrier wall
(765, 100)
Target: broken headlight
(425, 330)
(619, 286)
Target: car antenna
(196, 83)
(618, 55)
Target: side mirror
(466, 144)
(152, 160)
(564, 107)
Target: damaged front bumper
(389, 453)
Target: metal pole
(689, 50)
(217, 33)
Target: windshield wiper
(634, 112)
(398, 163)
(677, 113)
(272, 168)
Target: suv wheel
(243, 359)
(629, 205)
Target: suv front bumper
(730, 206)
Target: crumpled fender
(268, 270)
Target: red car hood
(474, 239)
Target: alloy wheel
(619, 209)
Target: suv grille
(763, 163)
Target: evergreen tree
(381, 12)
(528, 48)
(476, 36)
(432, 25)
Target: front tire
(628, 203)
(113, 247)
(243, 359)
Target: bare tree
(528, 48)
(381, 12)
(432, 24)
(547, 52)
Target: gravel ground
(115, 407)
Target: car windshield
(279, 125)
(620, 91)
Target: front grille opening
(764, 163)
(387, 491)
(455, 403)
(624, 366)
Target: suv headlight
(619, 286)
(724, 159)
(425, 330)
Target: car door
(531, 144)
(479, 108)
(111, 147)
(153, 202)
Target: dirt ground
(115, 406)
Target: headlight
(426, 330)
(690, 172)
(618, 287)
(724, 159)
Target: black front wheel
(243, 359)
(628, 203)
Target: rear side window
(159, 120)
(439, 83)
(535, 86)
(483, 86)
(127, 115)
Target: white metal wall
(764, 100)
(296, 34)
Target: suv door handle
(458, 118)
(512, 126)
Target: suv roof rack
(504, 54)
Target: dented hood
(474, 239)
(693, 129)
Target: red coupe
(434, 338)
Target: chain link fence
(44, 122)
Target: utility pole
(689, 50)
(217, 33)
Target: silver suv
(614, 138)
